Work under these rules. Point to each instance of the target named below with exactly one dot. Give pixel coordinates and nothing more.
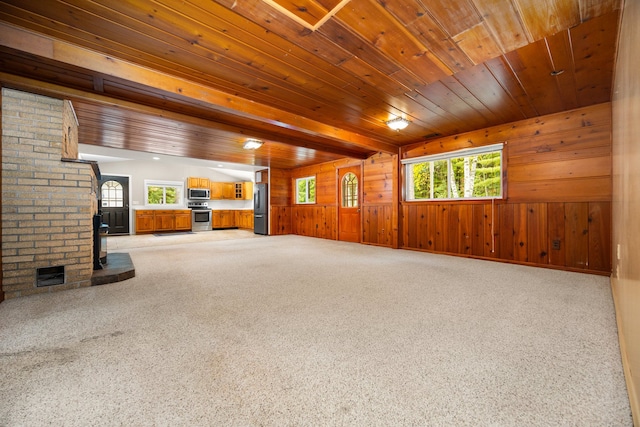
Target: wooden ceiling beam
(57, 50)
(50, 89)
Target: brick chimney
(48, 198)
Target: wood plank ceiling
(315, 79)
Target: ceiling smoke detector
(398, 123)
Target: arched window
(112, 195)
(349, 190)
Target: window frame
(307, 202)
(108, 201)
(352, 197)
(448, 156)
(158, 183)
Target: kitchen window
(306, 190)
(465, 174)
(163, 193)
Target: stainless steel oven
(200, 216)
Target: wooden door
(349, 190)
(114, 203)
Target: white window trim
(153, 182)
(457, 153)
(451, 155)
(307, 178)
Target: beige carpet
(295, 331)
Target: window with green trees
(163, 192)
(306, 190)
(465, 174)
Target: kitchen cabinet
(231, 190)
(195, 182)
(223, 219)
(232, 219)
(215, 190)
(247, 190)
(222, 190)
(244, 190)
(151, 221)
(228, 219)
(144, 222)
(183, 220)
(216, 219)
(244, 219)
(228, 190)
(164, 220)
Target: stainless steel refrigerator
(260, 209)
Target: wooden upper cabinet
(215, 190)
(195, 182)
(231, 190)
(247, 190)
(228, 190)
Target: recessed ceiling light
(156, 158)
(220, 166)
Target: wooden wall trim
(625, 245)
(1, 159)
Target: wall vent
(48, 276)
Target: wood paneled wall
(626, 204)
(559, 157)
(557, 210)
(558, 190)
(379, 201)
(320, 219)
(573, 235)
(280, 195)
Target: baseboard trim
(634, 396)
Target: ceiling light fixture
(252, 144)
(398, 123)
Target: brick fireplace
(48, 197)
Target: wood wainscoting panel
(600, 236)
(577, 234)
(557, 241)
(377, 225)
(573, 236)
(280, 219)
(314, 221)
(538, 233)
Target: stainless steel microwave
(198, 194)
